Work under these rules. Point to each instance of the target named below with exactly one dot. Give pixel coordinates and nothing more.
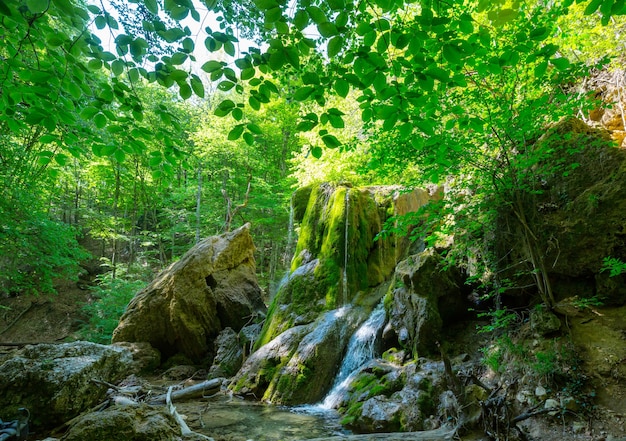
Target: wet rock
(55, 382)
(228, 354)
(379, 414)
(213, 286)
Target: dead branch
(184, 428)
(195, 391)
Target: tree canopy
(147, 122)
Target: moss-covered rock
(577, 212)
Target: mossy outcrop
(576, 211)
(335, 280)
(337, 256)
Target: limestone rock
(145, 357)
(424, 298)
(379, 414)
(141, 423)
(213, 286)
(543, 322)
(228, 354)
(54, 382)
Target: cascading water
(361, 349)
(344, 279)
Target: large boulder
(212, 287)
(422, 299)
(56, 382)
(575, 212)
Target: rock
(145, 357)
(380, 415)
(55, 382)
(423, 299)
(540, 392)
(543, 322)
(141, 423)
(228, 354)
(551, 403)
(259, 369)
(213, 286)
(569, 403)
(180, 372)
(307, 372)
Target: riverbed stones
(183, 310)
(58, 382)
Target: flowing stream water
(361, 349)
(345, 250)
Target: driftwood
(442, 434)
(196, 391)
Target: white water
(288, 250)
(345, 250)
(361, 349)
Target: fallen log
(442, 434)
(196, 391)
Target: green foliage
(35, 250)
(110, 298)
(614, 266)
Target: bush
(111, 296)
(35, 250)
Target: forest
(132, 129)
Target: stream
(233, 419)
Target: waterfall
(288, 249)
(345, 251)
(361, 349)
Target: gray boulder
(55, 382)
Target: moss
(299, 201)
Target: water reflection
(233, 419)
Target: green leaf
(120, 156)
(237, 114)
(254, 103)
(197, 86)
(94, 64)
(452, 53)
(540, 69)
(335, 45)
(331, 141)
(254, 128)
(212, 66)
(47, 139)
(61, 159)
(179, 58)
(100, 120)
(185, 91)
(236, 132)
(152, 6)
(342, 87)
(248, 138)
(301, 20)
(592, 7)
(225, 85)
(327, 29)
(560, 63)
(117, 67)
(37, 6)
(88, 113)
(316, 151)
(303, 93)
(538, 34)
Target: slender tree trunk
(198, 202)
